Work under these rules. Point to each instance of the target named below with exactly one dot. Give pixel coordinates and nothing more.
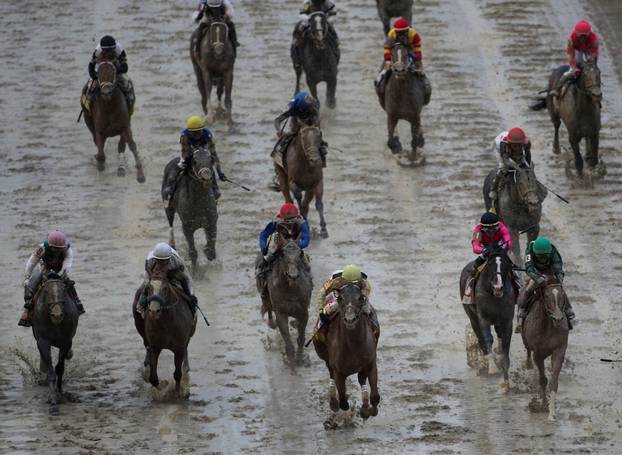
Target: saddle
(278, 152)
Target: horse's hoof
(331, 104)
(140, 177)
(121, 172)
(365, 412)
(210, 253)
(101, 164)
(147, 373)
(552, 418)
(374, 411)
(420, 140)
(54, 409)
(556, 151)
(504, 387)
(324, 234)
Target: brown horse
(579, 109)
(545, 333)
(108, 115)
(402, 95)
(214, 66)
(290, 286)
(303, 172)
(163, 319)
(351, 348)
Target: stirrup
(24, 322)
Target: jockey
(303, 109)
(210, 10)
(309, 7)
(288, 224)
(403, 33)
(541, 260)
(111, 50)
(488, 235)
(195, 136)
(54, 255)
(582, 45)
(512, 148)
(163, 261)
(327, 298)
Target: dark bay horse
(403, 96)
(545, 333)
(519, 204)
(494, 297)
(351, 348)
(214, 66)
(290, 286)
(168, 323)
(303, 172)
(393, 8)
(579, 109)
(195, 203)
(54, 324)
(320, 58)
(108, 115)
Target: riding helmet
(401, 25)
(288, 210)
(56, 239)
(542, 245)
(516, 136)
(107, 42)
(489, 219)
(351, 273)
(582, 27)
(195, 123)
(162, 251)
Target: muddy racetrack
(409, 229)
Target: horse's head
(202, 165)
(527, 190)
(553, 299)
(291, 258)
(351, 301)
(497, 271)
(318, 25)
(590, 79)
(218, 35)
(159, 295)
(54, 297)
(311, 141)
(399, 59)
(107, 77)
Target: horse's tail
(539, 105)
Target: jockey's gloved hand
(222, 176)
(324, 317)
(501, 244)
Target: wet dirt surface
(409, 228)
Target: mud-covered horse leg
(319, 206)
(281, 322)
(122, 157)
(332, 390)
(306, 202)
(528, 361)
(365, 408)
(45, 351)
(487, 347)
(170, 217)
(186, 364)
(415, 140)
(192, 249)
(179, 361)
(208, 83)
(210, 239)
(228, 99)
(283, 183)
(393, 142)
(301, 326)
(340, 382)
(129, 138)
(591, 151)
(556, 124)
(575, 144)
(100, 157)
(201, 84)
(515, 235)
(154, 354)
(298, 197)
(60, 367)
(557, 360)
(504, 333)
(372, 377)
(312, 87)
(331, 90)
(539, 361)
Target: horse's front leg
(504, 333)
(373, 384)
(488, 341)
(211, 231)
(301, 327)
(515, 236)
(576, 151)
(331, 90)
(306, 202)
(539, 361)
(416, 139)
(393, 142)
(60, 367)
(192, 249)
(283, 183)
(100, 157)
(122, 157)
(556, 124)
(340, 382)
(129, 138)
(319, 206)
(45, 351)
(557, 360)
(208, 96)
(154, 354)
(281, 322)
(180, 355)
(365, 408)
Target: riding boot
(71, 290)
(371, 314)
(522, 304)
(556, 92)
(494, 187)
(233, 36)
(467, 298)
(569, 312)
(26, 319)
(323, 152)
(296, 57)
